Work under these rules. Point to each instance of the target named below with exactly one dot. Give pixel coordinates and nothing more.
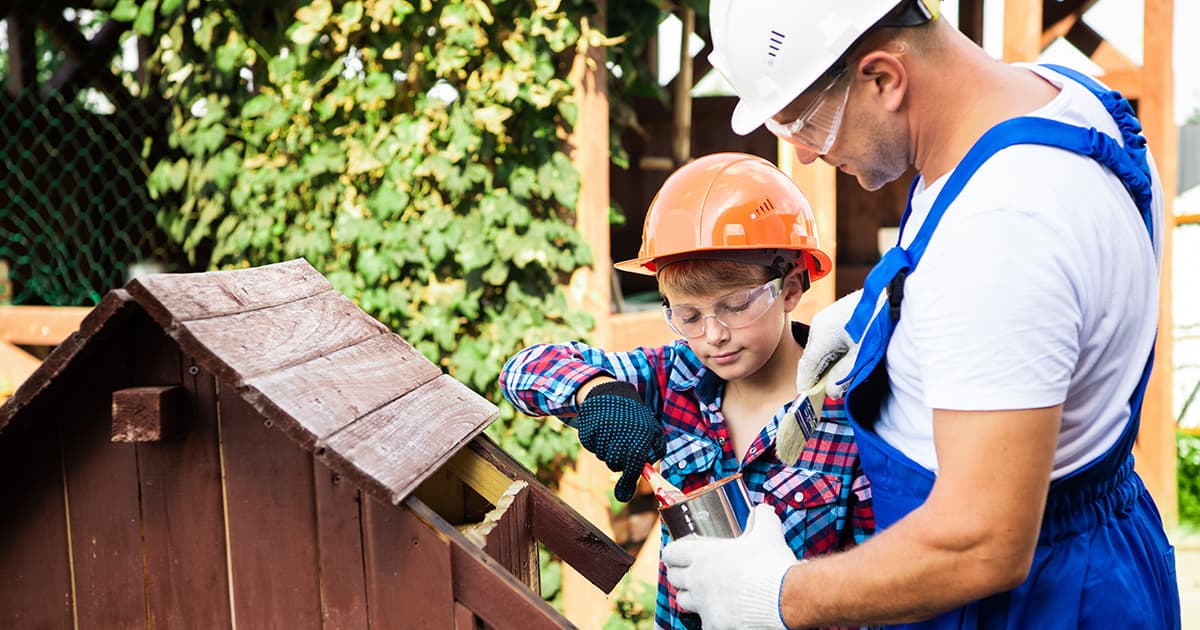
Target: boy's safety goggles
(816, 128)
(736, 310)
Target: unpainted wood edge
(564, 531)
(169, 399)
(500, 507)
(470, 560)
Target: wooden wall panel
(340, 550)
(35, 575)
(102, 500)
(271, 522)
(408, 570)
(183, 517)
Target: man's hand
(614, 424)
(733, 583)
(829, 349)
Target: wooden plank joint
(147, 414)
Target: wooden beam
(147, 414)
(970, 19)
(1127, 82)
(1093, 44)
(818, 182)
(1022, 30)
(1155, 451)
(22, 54)
(40, 325)
(681, 98)
(1187, 219)
(15, 366)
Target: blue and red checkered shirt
(824, 501)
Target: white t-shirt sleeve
(1000, 327)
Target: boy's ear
(794, 285)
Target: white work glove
(733, 583)
(829, 353)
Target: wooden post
(1022, 30)
(1155, 452)
(970, 19)
(585, 486)
(681, 99)
(818, 182)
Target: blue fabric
(1102, 558)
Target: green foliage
(1188, 477)
(412, 151)
(635, 603)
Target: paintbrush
(664, 491)
(798, 425)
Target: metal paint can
(719, 509)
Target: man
(997, 387)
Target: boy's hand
(733, 583)
(614, 424)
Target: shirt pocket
(809, 504)
(690, 460)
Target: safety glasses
(736, 310)
(816, 128)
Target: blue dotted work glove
(614, 424)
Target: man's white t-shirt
(1039, 287)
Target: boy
(733, 244)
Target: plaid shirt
(824, 501)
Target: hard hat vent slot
(776, 43)
(763, 209)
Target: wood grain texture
(315, 399)
(35, 579)
(409, 582)
(146, 414)
(510, 538)
(484, 586)
(560, 528)
(271, 520)
(340, 551)
(183, 520)
(268, 339)
(187, 296)
(400, 444)
(102, 500)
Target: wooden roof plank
(251, 343)
(188, 296)
(317, 398)
(399, 447)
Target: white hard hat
(770, 51)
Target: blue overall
(1102, 558)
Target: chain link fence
(76, 217)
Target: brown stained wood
(464, 619)
(444, 493)
(269, 339)
(560, 528)
(271, 521)
(510, 539)
(35, 576)
(315, 399)
(185, 296)
(409, 582)
(399, 445)
(102, 498)
(340, 551)
(107, 317)
(482, 585)
(183, 520)
(146, 414)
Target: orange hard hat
(728, 203)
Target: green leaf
(144, 22)
(125, 10)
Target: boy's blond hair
(701, 277)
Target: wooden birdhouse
(249, 449)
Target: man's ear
(886, 74)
